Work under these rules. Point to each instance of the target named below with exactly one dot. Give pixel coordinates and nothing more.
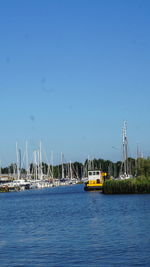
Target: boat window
(97, 173)
(93, 173)
(90, 173)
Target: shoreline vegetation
(139, 167)
(139, 185)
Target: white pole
(17, 161)
(35, 165)
(52, 163)
(70, 170)
(40, 161)
(38, 165)
(62, 159)
(27, 163)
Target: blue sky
(70, 73)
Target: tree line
(136, 167)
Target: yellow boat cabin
(95, 180)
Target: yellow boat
(95, 180)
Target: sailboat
(125, 174)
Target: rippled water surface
(66, 226)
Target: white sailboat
(125, 174)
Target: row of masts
(37, 171)
(37, 162)
(70, 172)
(66, 170)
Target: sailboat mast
(62, 164)
(17, 155)
(70, 170)
(35, 169)
(52, 159)
(125, 148)
(20, 163)
(40, 161)
(27, 163)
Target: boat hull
(93, 187)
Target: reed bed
(129, 186)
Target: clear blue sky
(70, 73)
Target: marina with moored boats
(9, 185)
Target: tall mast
(70, 170)
(38, 164)
(125, 148)
(35, 165)
(52, 159)
(18, 164)
(27, 163)
(40, 161)
(89, 164)
(62, 164)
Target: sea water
(66, 226)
